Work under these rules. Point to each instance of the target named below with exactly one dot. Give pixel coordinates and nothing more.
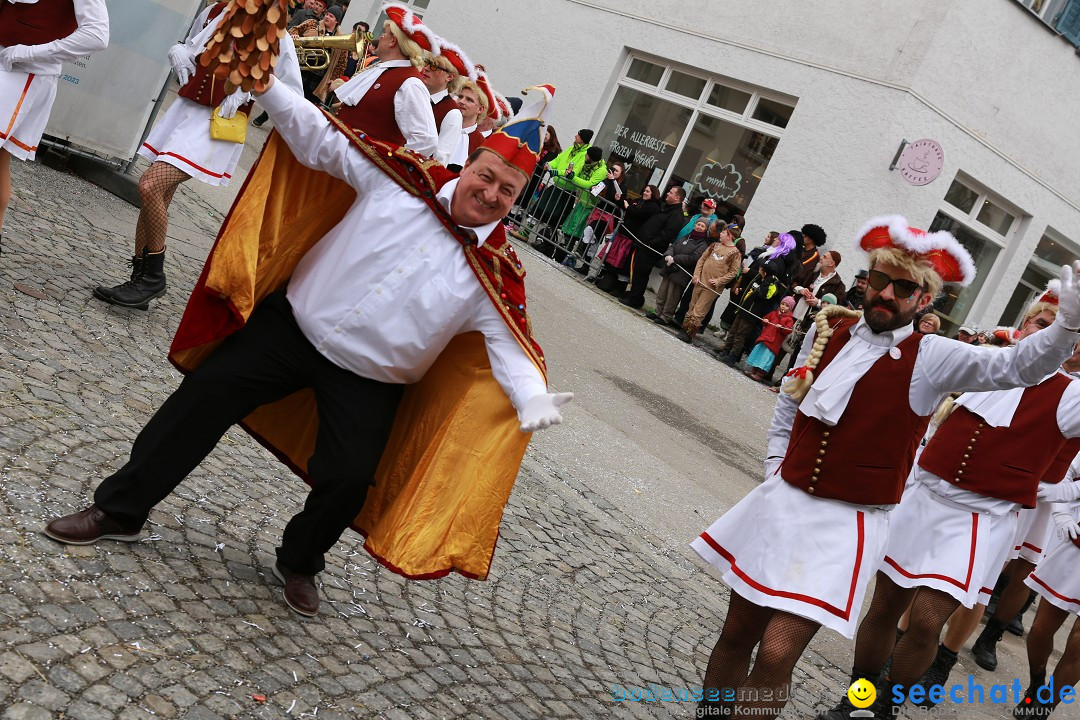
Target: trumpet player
(389, 101)
(328, 25)
(180, 148)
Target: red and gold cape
(456, 448)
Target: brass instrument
(313, 53)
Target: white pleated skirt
(947, 547)
(181, 137)
(782, 548)
(1057, 577)
(26, 100)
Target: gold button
(963, 464)
(824, 443)
(810, 490)
(825, 434)
(818, 461)
(976, 433)
(959, 472)
(970, 447)
(956, 479)
(820, 452)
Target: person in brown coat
(717, 267)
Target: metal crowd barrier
(554, 219)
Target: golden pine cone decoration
(247, 43)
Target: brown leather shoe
(87, 527)
(300, 591)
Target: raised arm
(314, 141)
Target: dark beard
(884, 315)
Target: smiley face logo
(862, 693)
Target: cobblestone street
(584, 593)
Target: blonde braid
(803, 377)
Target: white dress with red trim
(1057, 576)
(27, 90)
(182, 138)
(26, 100)
(949, 539)
(1034, 532)
(820, 554)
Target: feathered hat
(950, 260)
(413, 27)
(520, 140)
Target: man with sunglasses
(800, 550)
(443, 73)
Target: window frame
(698, 107)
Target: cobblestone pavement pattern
(189, 623)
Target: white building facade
(791, 112)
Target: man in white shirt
(389, 101)
(799, 550)
(359, 322)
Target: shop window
(995, 217)
(685, 85)
(643, 131)
(724, 161)
(646, 72)
(727, 98)
(773, 112)
(955, 302)
(961, 197)
(1050, 254)
(672, 126)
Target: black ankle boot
(105, 293)
(138, 292)
(985, 647)
(1016, 625)
(937, 674)
(1030, 706)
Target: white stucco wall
(997, 90)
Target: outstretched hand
(1069, 298)
(542, 410)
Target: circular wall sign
(921, 162)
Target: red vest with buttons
(476, 139)
(1060, 465)
(203, 88)
(374, 114)
(36, 24)
(866, 457)
(1001, 462)
(441, 109)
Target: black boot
(985, 647)
(149, 285)
(105, 293)
(937, 673)
(1030, 706)
(1016, 625)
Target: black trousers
(265, 361)
(642, 263)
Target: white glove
(232, 103)
(542, 410)
(1069, 298)
(1064, 491)
(182, 60)
(16, 54)
(1067, 527)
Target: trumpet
(313, 53)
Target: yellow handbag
(232, 129)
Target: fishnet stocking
(766, 691)
(916, 650)
(729, 663)
(1067, 671)
(1040, 640)
(156, 188)
(877, 631)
